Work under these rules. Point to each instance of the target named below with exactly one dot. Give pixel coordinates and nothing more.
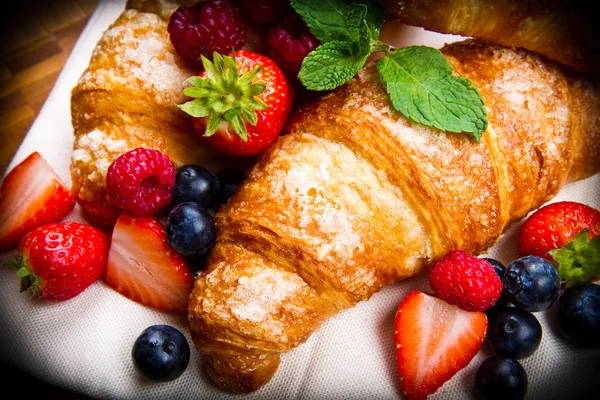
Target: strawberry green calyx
(29, 280)
(225, 95)
(578, 261)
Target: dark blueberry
(502, 378)
(190, 229)
(161, 353)
(531, 283)
(578, 315)
(498, 267)
(514, 332)
(230, 179)
(500, 270)
(195, 183)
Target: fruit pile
(240, 101)
(476, 299)
(241, 98)
(141, 258)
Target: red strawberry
(59, 261)
(434, 340)
(555, 225)
(31, 195)
(241, 102)
(466, 281)
(144, 267)
(568, 234)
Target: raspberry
(141, 181)
(204, 28)
(466, 281)
(262, 11)
(290, 42)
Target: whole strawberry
(241, 103)
(555, 225)
(568, 234)
(466, 281)
(59, 261)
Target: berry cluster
(218, 26)
(510, 296)
(206, 27)
(532, 284)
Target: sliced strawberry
(434, 340)
(31, 195)
(145, 268)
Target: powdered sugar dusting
(137, 52)
(96, 149)
(261, 294)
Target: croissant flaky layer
(563, 31)
(356, 197)
(127, 98)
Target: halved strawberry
(31, 195)
(434, 340)
(144, 267)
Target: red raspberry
(290, 42)
(466, 281)
(262, 11)
(204, 28)
(141, 181)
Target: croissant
(128, 98)
(355, 197)
(563, 31)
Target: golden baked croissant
(563, 31)
(356, 197)
(128, 98)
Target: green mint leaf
(375, 17)
(325, 19)
(578, 261)
(340, 19)
(330, 65)
(354, 17)
(421, 86)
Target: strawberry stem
(579, 260)
(225, 95)
(28, 280)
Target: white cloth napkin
(84, 344)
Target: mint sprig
(418, 79)
(421, 86)
(331, 65)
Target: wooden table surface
(36, 41)
(37, 38)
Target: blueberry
(578, 315)
(514, 332)
(500, 377)
(500, 271)
(531, 283)
(190, 229)
(195, 183)
(161, 353)
(230, 179)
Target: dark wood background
(36, 40)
